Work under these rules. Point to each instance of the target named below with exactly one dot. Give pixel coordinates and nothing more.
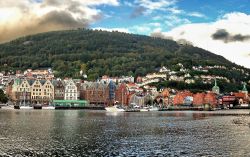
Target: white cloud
(127, 3)
(175, 10)
(201, 35)
(155, 5)
(196, 14)
(23, 17)
(173, 20)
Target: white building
(70, 90)
(164, 70)
(156, 75)
(189, 81)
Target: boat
(144, 109)
(37, 106)
(16, 107)
(114, 108)
(132, 110)
(153, 108)
(48, 107)
(26, 107)
(8, 107)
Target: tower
(216, 89)
(244, 90)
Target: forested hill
(101, 52)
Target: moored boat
(144, 109)
(48, 107)
(114, 108)
(8, 107)
(153, 108)
(37, 106)
(26, 107)
(16, 107)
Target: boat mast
(122, 96)
(24, 96)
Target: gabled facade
(121, 94)
(48, 91)
(97, 93)
(70, 90)
(59, 89)
(36, 92)
(23, 92)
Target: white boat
(48, 107)
(114, 108)
(153, 108)
(8, 107)
(26, 107)
(144, 109)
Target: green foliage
(99, 52)
(3, 97)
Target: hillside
(101, 52)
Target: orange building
(242, 98)
(198, 99)
(210, 98)
(180, 96)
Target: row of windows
(59, 95)
(37, 90)
(47, 86)
(70, 87)
(24, 85)
(71, 98)
(24, 89)
(70, 91)
(36, 94)
(70, 94)
(39, 97)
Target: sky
(220, 26)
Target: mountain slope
(101, 52)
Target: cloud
(155, 5)
(138, 12)
(159, 34)
(25, 17)
(232, 28)
(222, 34)
(196, 14)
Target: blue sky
(185, 11)
(220, 26)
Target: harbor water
(99, 133)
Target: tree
(3, 97)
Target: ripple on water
(84, 133)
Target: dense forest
(98, 52)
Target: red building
(122, 94)
(228, 99)
(96, 93)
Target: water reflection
(98, 133)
